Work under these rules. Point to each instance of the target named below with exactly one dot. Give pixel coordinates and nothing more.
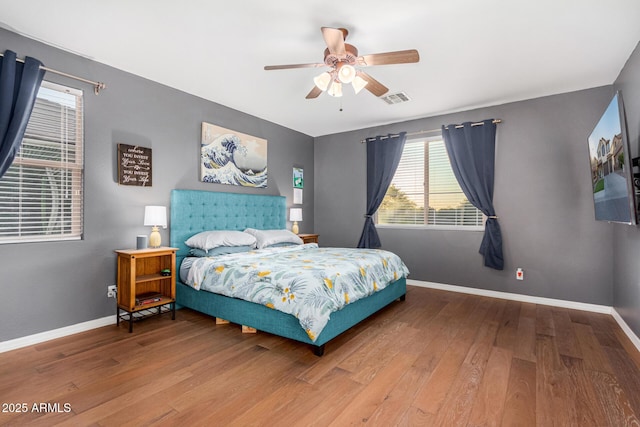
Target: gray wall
(52, 285)
(626, 285)
(542, 197)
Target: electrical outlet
(519, 273)
(111, 291)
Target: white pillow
(266, 238)
(212, 239)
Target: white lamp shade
(335, 89)
(295, 214)
(346, 73)
(358, 84)
(322, 81)
(155, 216)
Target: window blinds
(41, 193)
(424, 178)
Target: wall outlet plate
(111, 291)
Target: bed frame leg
(318, 350)
(403, 297)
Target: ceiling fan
(342, 58)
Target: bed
(194, 211)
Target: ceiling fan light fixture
(322, 81)
(336, 89)
(346, 73)
(358, 84)
(343, 59)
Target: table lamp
(295, 215)
(155, 216)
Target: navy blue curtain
(383, 156)
(471, 150)
(19, 84)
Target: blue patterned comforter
(306, 281)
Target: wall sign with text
(134, 165)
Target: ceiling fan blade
(334, 38)
(289, 66)
(373, 86)
(315, 92)
(398, 57)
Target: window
(424, 178)
(41, 193)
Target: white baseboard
(514, 297)
(56, 333)
(627, 330)
(535, 300)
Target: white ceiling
(473, 53)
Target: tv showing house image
(611, 174)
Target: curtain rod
(496, 121)
(97, 86)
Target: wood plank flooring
(438, 358)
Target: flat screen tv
(614, 195)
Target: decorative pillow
(212, 239)
(220, 250)
(269, 238)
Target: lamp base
(294, 227)
(155, 240)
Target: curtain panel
(19, 84)
(471, 150)
(383, 157)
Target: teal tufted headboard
(193, 211)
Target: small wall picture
(234, 158)
(134, 165)
(298, 178)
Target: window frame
(443, 227)
(75, 168)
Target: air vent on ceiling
(396, 98)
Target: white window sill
(475, 228)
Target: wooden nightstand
(309, 238)
(140, 275)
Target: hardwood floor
(438, 358)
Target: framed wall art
(234, 158)
(134, 165)
(298, 178)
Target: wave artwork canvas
(234, 158)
